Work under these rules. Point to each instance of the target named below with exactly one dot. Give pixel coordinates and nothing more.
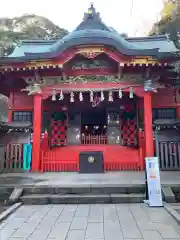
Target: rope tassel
(110, 97)
(131, 93)
(71, 97)
(91, 96)
(120, 93)
(54, 95)
(102, 96)
(61, 96)
(80, 97)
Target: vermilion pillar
(149, 143)
(10, 116)
(37, 133)
(10, 104)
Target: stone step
(85, 189)
(81, 198)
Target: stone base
(168, 195)
(82, 198)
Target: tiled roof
(93, 31)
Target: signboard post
(153, 182)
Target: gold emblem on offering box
(91, 159)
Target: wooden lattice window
(164, 113)
(22, 116)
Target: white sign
(153, 182)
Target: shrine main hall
(92, 98)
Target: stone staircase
(83, 194)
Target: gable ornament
(33, 89)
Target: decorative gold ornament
(91, 159)
(90, 55)
(90, 52)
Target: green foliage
(168, 9)
(170, 22)
(27, 27)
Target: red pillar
(149, 143)
(10, 112)
(10, 115)
(37, 133)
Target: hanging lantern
(110, 96)
(91, 96)
(80, 97)
(71, 97)
(120, 93)
(131, 93)
(61, 96)
(102, 96)
(54, 95)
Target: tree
(168, 9)
(170, 21)
(170, 24)
(27, 27)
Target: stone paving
(88, 222)
(60, 178)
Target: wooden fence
(168, 153)
(11, 157)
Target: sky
(119, 14)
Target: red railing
(94, 139)
(122, 166)
(67, 159)
(115, 157)
(57, 161)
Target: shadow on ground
(3, 207)
(19, 180)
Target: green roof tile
(93, 31)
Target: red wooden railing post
(45, 142)
(37, 133)
(42, 161)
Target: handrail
(94, 139)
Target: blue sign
(153, 182)
(27, 157)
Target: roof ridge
(41, 41)
(150, 38)
(92, 20)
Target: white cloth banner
(153, 182)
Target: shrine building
(91, 96)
